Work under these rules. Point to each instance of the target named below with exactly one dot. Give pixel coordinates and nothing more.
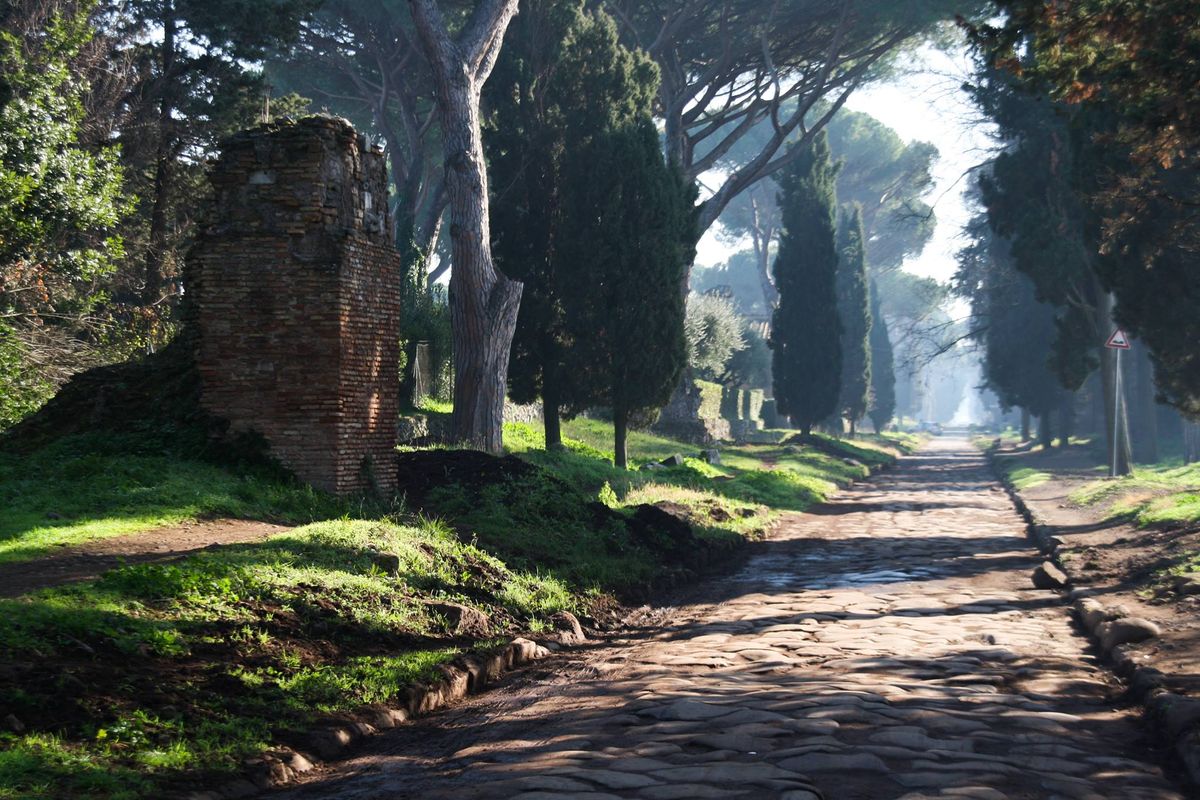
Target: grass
(153, 672)
(1165, 494)
(198, 664)
(95, 486)
(1027, 477)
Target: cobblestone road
(889, 645)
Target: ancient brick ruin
(295, 284)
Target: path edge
(1172, 718)
(463, 677)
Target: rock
(462, 620)
(299, 764)
(389, 563)
(11, 723)
(672, 461)
(1188, 584)
(853, 462)
(710, 456)
(329, 743)
(1091, 613)
(1175, 713)
(54, 515)
(1128, 630)
(653, 465)
(1048, 576)
(568, 628)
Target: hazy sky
(924, 102)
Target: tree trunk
(483, 302)
(1145, 433)
(620, 433)
(806, 429)
(1026, 425)
(163, 162)
(551, 413)
(1045, 430)
(853, 428)
(1066, 419)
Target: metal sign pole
(1116, 415)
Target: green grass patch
(200, 663)
(1027, 478)
(95, 486)
(1166, 494)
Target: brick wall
(294, 284)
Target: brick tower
(295, 286)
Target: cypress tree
(629, 244)
(562, 78)
(854, 310)
(805, 332)
(883, 375)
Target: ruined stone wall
(295, 288)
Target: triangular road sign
(1119, 340)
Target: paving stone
(835, 762)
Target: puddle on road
(814, 571)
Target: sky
(923, 102)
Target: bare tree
(483, 302)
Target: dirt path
(889, 645)
(85, 561)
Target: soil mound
(422, 470)
(158, 395)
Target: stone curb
(1175, 718)
(462, 677)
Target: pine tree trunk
(1066, 419)
(1146, 413)
(551, 415)
(163, 161)
(806, 429)
(1026, 425)
(1045, 430)
(483, 302)
(620, 434)
(853, 428)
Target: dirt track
(86, 561)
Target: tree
(728, 65)
(483, 302)
(631, 240)
(60, 203)
(715, 333)
(884, 175)
(854, 312)
(562, 80)
(194, 89)
(883, 376)
(806, 331)
(61, 200)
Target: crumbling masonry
(295, 284)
